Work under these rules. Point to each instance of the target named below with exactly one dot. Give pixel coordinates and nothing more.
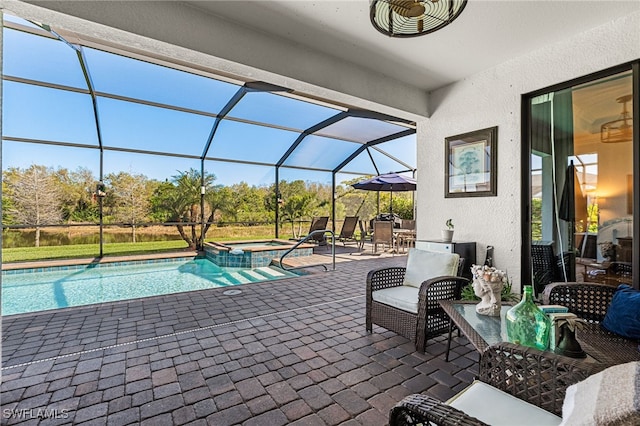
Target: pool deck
(293, 351)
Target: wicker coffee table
(483, 331)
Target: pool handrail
(311, 234)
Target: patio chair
(347, 233)
(408, 224)
(525, 386)
(382, 234)
(405, 299)
(317, 224)
(547, 267)
(365, 235)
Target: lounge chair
(347, 233)
(317, 224)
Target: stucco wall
(492, 98)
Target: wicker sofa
(590, 301)
(516, 385)
(416, 324)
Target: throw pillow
(610, 397)
(423, 265)
(623, 315)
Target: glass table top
(491, 329)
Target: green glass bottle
(526, 323)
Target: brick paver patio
(293, 351)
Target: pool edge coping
(52, 263)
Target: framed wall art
(471, 164)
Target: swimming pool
(60, 287)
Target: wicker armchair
(537, 377)
(590, 301)
(430, 319)
(548, 268)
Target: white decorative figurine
(487, 285)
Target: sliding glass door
(579, 181)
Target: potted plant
(447, 234)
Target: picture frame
(471, 164)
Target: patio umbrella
(388, 182)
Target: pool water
(39, 291)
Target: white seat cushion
(495, 407)
(403, 297)
(423, 265)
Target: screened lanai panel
(234, 140)
(404, 149)
(278, 110)
(387, 164)
(42, 113)
(120, 75)
(310, 176)
(143, 127)
(160, 168)
(24, 154)
(362, 164)
(360, 129)
(228, 174)
(40, 58)
(321, 153)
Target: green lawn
(25, 254)
(22, 254)
(80, 250)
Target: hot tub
(252, 254)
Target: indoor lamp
(618, 130)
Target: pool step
(253, 275)
(239, 278)
(271, 272)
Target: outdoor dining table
(400, 236)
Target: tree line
(40, 196)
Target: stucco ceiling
(487, 33)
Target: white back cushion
(423, 265)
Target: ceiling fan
(410, 18)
